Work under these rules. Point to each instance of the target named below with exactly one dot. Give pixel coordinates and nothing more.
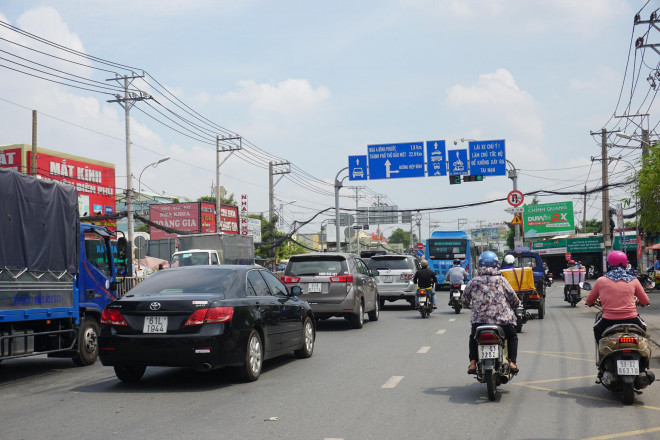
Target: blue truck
(56, 274)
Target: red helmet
(572, 262)
(617, 258)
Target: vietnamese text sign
(436, 158)
(550, 247)
(587, 244)
(548, 219)
(487, 158)
(390, 161)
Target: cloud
(288, 97)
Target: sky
(313, 83)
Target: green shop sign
(548, 219)
(589, 244)
(550, 247)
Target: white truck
(213, 249)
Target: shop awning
(654, 247)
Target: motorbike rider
(456, 275)
(493, 301)
(567, 288)
(618, 290)
(425, 279)
(509, 262)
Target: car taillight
(488, 338)
(534, 296)
(210, 316)
(113, 317)
(290, 280)
(407, 276)
(342, 279)
(628, 340)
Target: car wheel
(254, 353)
(541, 309)
(308, 340)
(373, 315)
(88, 347)
(357, 321)
(129, 373)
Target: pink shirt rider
(617, 297)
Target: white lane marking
(423, 350)
(441, 332)
(394, 380)
(452, 320)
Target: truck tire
(88, 347)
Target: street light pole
(513, 175)
(338, 185)
(154, 164)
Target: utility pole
(271, 203)
(513, 175)
(34, 144)
(606, 194)
(230, 149)
(584, 211)
(127, 102)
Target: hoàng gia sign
(548, 219)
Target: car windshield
(190, 259)
(323, 266)
(447, 249)
(392, 263)
(192, 280)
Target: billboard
(193, 217)
(548, 219)
(93, 179)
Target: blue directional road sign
(487, 158)
(420, 253)
(392, 161)
(458, 162)
(357, 167)
(436, 158)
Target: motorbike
(572, 293)
(492, 366)
(646, 281)
(623, 358)
(591, 272)
(425, 301)
(548, 279)
(456, 292)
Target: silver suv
(335, 284)
(395, 277)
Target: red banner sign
(194, 217)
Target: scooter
(548, 279)
(492, 366)
(456, 292)
(425, 301)
(572, 294)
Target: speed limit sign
(515, 198)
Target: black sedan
(205, 317)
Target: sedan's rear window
(392, 263)
(188, 280)
(317, 266)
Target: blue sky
(313, 83)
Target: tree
(648, 191)
(400, 236)
(224, 201)
(593, 225)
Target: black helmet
(457, 262)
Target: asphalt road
(401, 377)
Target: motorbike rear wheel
(491, 384)
(457, 307)
(628, 393)
(423, 311)
(519, 324)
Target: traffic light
(477, 178)
(454, 179)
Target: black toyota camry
(205, 317)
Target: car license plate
(387, 279)
(155, 324)
(627, 368)
(489, 351)
(457, 294)
(314, 288)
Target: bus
(445, 246)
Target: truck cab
(196, 257)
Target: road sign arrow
(387, 169)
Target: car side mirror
(374, 273)
(586, 286)
(295, 290)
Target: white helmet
(509, 259)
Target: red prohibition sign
(515, 198)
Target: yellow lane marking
(556, 355)
(624, 434)
(559, 379)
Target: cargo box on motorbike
(520, 278)
(575, 276)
